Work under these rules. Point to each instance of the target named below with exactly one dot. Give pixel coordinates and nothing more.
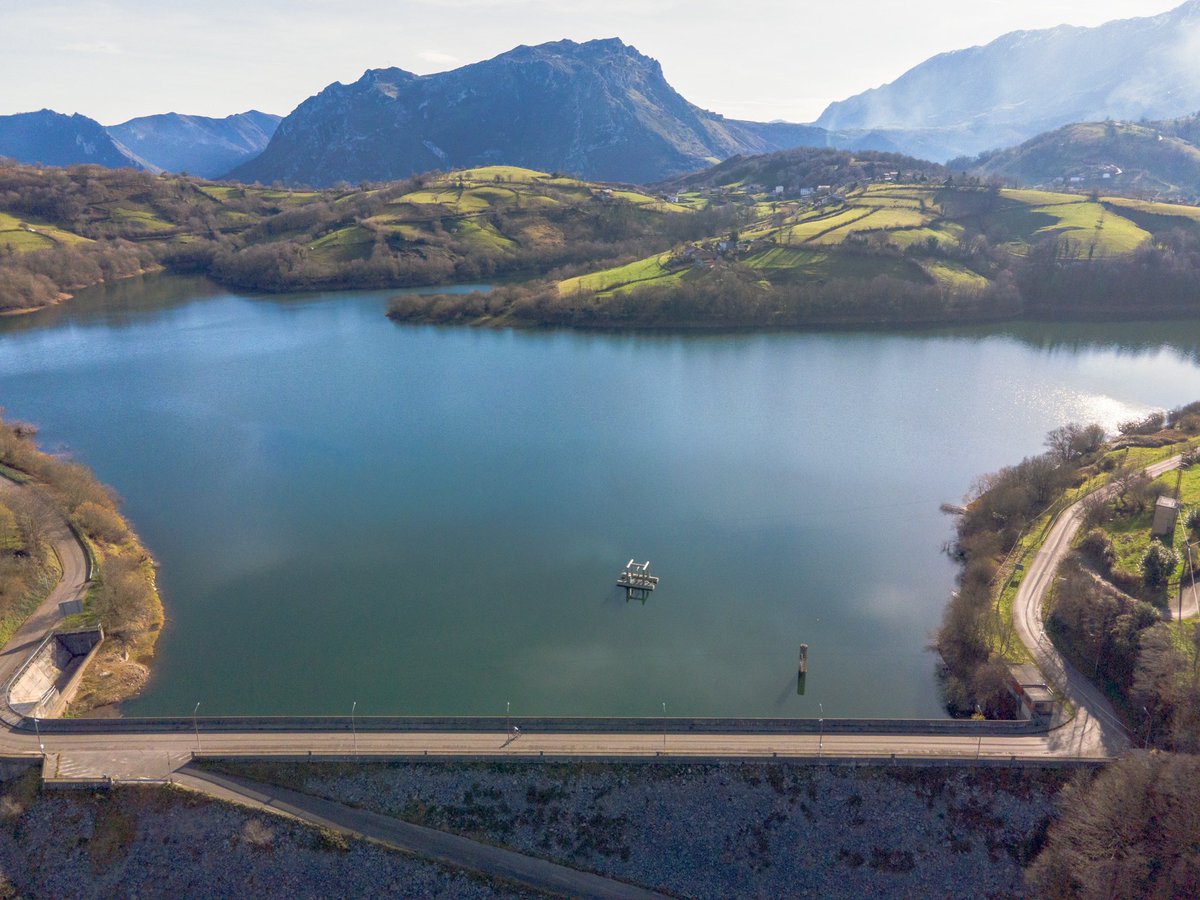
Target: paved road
(71, 586)
(447, 848)
(1096, 729)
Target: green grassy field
(1131, 534)
(10, 535)
(344, 244)
(635, 274)
(1166, 210)
(809, 243)
(23, 234)
(954, 275)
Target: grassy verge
(46, 577)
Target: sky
(751, 59)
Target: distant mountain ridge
(54, 139)
(162, 143)
(598, 110)
(198, 145)
(1027, 82)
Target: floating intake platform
(637, 580)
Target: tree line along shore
(123, 595)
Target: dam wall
(48, 679)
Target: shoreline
(105, 565)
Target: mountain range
(197, 144)
(54, 139)
(598, 110)
(604, 111)
(168, 142)
(1027, 82)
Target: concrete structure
(1166, 512)
(46, 682)
(1030, 690)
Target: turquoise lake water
(430, 520)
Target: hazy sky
(755, 59)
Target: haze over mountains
(1026, 82)
(604, 111)
(169, 142)
(197, 144)
(54, 139)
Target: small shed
(1029, 688)
(1166, 511)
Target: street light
(196, 725)
(664, 706)
(38, 729)
(821, 733)
(508, 716)
(353, 726)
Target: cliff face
(600, 110)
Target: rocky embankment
(729, 830)
(165, 842)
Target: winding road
(72, 585)
(1096, 730)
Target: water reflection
(428, 519)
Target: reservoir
(432, 520)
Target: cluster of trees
(727, 297)
(1002, 507)
(37, 278)
(1104, 620)
(808, 167)
(272, 240)
(24, 557)
(1127, 831)
(1156, 279)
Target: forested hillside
(63, 229)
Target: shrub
(1098, 550)
(1148, 425)
(1158, 563)
(100, 523)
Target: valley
(393, 383)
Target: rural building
(1027, 686)
(1166, 511)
